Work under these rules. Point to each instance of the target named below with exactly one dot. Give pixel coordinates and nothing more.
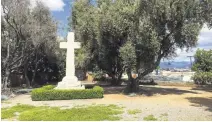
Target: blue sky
(61, 10)
(62, 18)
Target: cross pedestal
(70, 81)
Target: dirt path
(164, 102)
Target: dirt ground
(164, 102)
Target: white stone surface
(187, 78)
(70, 81)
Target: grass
(6, 102)
(164, 116)
(150, 118)
(134, 111)
(9, 112)
(80, 113)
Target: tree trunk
(35, 71)
(116, 79)
(6, 79)
(132, 85)
(25, 75)
(7, 71)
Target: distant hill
(182, 64)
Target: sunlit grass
(80, 113)
(134, 111)
(150, 118)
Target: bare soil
(171, 103)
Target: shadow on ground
(201, 102)
(203, 88)
(147, 90)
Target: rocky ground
(164, 102)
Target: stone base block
(70, 82)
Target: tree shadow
(150, 91)
(207, 88)
(113, 89)
(200, 102)
(147, 90)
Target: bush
(203, 78)
(48, 87)
(203, 61)
(48, 93)
(98, 74)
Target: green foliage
(202, 78)
(29, 43)
(134, 111)
(80, 113)
(127, 54)
(81, 58)
(150, 118)
(98, 74)
(48, 87)
(149, 29)
(203, 61)
(48, 93)
(203, 67)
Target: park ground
(173, 103)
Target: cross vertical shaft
(70, 68)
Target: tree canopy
(151, 29)
(28, 41)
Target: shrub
(48, 87)
(98, 74)
(48, 93)
(202, 78)
(203, 61)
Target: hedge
(49, 93)
(203, 78)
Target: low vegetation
(49, 93)
(80, 113)
(10, 112)
(164, 117)
(203, 78)
(150, 118)
(203, 67)
(134, 111)
(6, 102)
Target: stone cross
(70, 45)
(70, 81)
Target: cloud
(204, 42)
(205, 37)
(54, 5)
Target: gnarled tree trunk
(132, 85)
(116, 79)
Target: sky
(60, 10)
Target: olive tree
(28, 35)
(154, 28)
